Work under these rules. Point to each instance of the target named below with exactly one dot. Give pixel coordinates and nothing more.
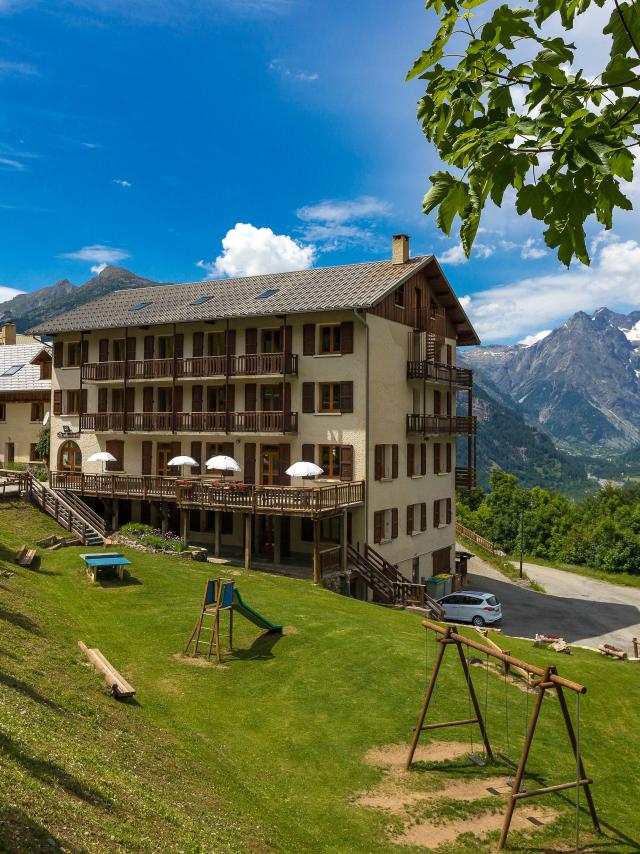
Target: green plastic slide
(249, 614)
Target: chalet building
(351, 367)
(25, 394)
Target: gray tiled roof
(28, 377)
(317, 289)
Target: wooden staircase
(81, 521)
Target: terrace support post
(115, 514)
(217, 532)
(317, 572)
(184, 526)
(277, 540)
(164, 517)
(247, 540)
(343, 542)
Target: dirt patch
(289, 631)
(199, 662)
(428, 835)
(394, 756)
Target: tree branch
(626, 27)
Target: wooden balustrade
(465, 478)
(195, 493)
(441, 424)
(437, 372)
(330, 560)
(192, 367)
(190, 422)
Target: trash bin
(436, 586)
(447, 580)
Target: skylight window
(268, 293)
(139, 305)
(200, 300)
(10, 372)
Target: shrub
(152, 537)
(135, 529)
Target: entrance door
(11, 452)
(165, 453)
(269, 465)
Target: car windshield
(491, 600)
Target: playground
(297, 741)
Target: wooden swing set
(547, 680)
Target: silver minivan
(472, 606)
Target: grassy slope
(273, 743)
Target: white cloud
(338, 223)
(455, 254)
(122, 183)
(8, 164)
(7, 293)
(250, 251)
(532, 249)
(7, 66)
(528, 340)
(518, 309)
(98, 255)
(280, 67)
(344, 210)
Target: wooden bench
(26, 556)
(118, 685)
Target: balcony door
(272, 340)
(165, 453)
(270, 465)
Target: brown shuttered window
(196, 454)
(103, 350)
(57, 402)
(103, 401)
(437, 404)
(346, 462)
(379, 462)
(409, 519)
(378, 526)
(288, 339)
(250, 397)
(423, 516)
(179, 345)
(394, 523)
(231, 342)
(346, 397)
(83, 401)
(309, 339)
(442, 561)
(346, 336)
(198, 344)
(147, 399)
(249, 473)
(149, 346)
(308, 397)
(394, 461)
(231, 398)
(130, 400)
(285, 462)
(58, 354)
(436, 513)
(448, 449)
(423, 458)
(131, 349)
(84, 355)
(196, 399)
(449, 511)
(147, 454)
(308, 453)
(178, 399)
(410, 459)
(436, 458)
(115, 447)
(286, 397)
(251, 340)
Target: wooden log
(613, 651)
(118, 685)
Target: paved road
(579, 609)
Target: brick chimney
(400, 248)
(8, 335)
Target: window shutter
(410, 459)
(409, 519)
(378, 462)
(285, 462)
(448, 449)
(178, 398)
(178, 346)
(103, 402)
(346, 396)
(378, 525)
(231, 398)
(103, 350)
(230, 344)
(83, 401)
(394, 523)
(436, 458)
(115, 447)
(196, 454)
(308, 397)
(149, 346)
(251, 340)
(250, 398)
(131, 349)
(58, 354)
(423, 516)
(308, 453)
(308, 339)
(130, 400)
(198, 344)
(436, 402)
(346, 462)
(227, 449)
(288, 339)
(147, 453)
(394, 461)
(147, 399)
(436, 513)
(448, 403)
(84, 355)
(423, 458)
(249, 472)
(346, 337)
(449, 511)
(196, 399)
(57, 402)
(176, 451)
(286, 397)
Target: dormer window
(139, 306)
(399, 297)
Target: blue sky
(142, 132)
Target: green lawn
(266, 753)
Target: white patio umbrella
(182, 461)
(304, 469)
(101, 457)
(222, 463)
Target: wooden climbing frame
(548, 679)
(218, 597)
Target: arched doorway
(70, 457)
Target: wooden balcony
(439, 373)
(193, 493)
(195, 367)
(465, 478)
(441, 424)
(189, 422)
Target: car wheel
(478, 621)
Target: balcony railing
(465, 478)
(441, 424)
(437, 372)
(193, 367)
(195, 493)
(190, 422)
